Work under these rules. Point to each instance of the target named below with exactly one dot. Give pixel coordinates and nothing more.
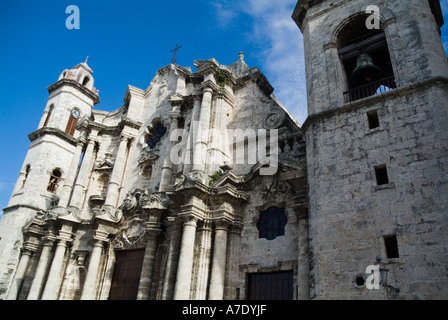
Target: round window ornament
(359, 280)
(275, 118)
(75, 113)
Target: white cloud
(4, 185)
(284, 59)
(280, 41)
(225, 13)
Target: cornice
(125, 121)
(258, 77)
(351, 106)
(188, 184)
(301, 9)
(73, 83)
(205, 67)
(52, 131)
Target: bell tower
(377, 87)
(55, 145)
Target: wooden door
(126, 277)
(270, 286)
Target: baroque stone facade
(132, 185)
(203, 186)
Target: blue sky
(128, 41)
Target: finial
(87, 58)
(241, 55)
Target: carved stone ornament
(109, 213)
(275, 118)
(154, 201)
(148, 157)
(131, 204)
(105, 164)
(135, 231)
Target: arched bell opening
(365, 58)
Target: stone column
(201, 133)
(303, 272)
(90, 289)
(204, 262)
(42, 268)
(173, 258)
(185, 265)
(20, 274)
(71, 174)
(117, 173)
(144, 285)
(83, 176)
(232, 269)
(216, 289)
(188, 160)
(167, 168)
(54, 280)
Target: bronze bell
(366, 71)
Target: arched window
(48, 115)
(72, 122)
(155, 134)
(365, 58)
(85, 81)
(55, 177)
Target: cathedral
(204, 187)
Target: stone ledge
(52, 131)
(390, 185)
(69, 82)
(358, 104)
(301, 9)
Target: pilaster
(117, 173)
(173, 258)
(204, 261)
(27, 252)
(42, 267)
(185, 265)
(201, 132)
(90, 285)
(54, 280)
(216, 288)
(83, 175)
(144, 286)
(68, 183)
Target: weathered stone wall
(350, 214)
(416, 50)
(257, 254)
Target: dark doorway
(128, 267)
(270, 286)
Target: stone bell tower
(377, 85)
(56, 146)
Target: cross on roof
(173, 61)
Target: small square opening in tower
(391, 244)
(372, 117)
(381, 175)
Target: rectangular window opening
(381, 175)
(391, 245)
(372, 117)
